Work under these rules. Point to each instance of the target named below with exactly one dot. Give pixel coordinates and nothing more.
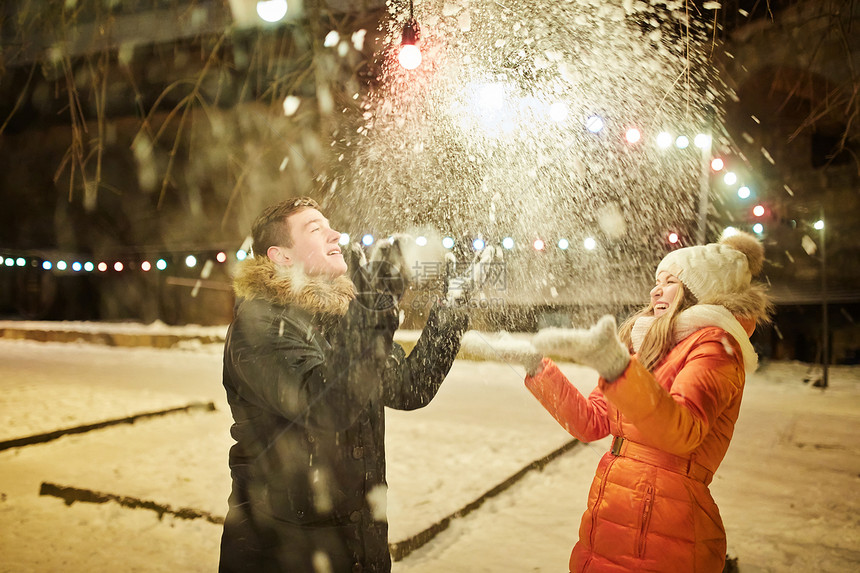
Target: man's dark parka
(307, 393)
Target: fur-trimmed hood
(751, 303)
(260, 278)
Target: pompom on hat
(721, 273)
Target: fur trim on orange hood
(259, 277)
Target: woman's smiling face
(664, 292)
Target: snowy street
(787, 489)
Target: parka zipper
(647, 505)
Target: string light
(633, 135)
(594, 124)
(410, 54)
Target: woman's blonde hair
(660, 338)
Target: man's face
(315, 245)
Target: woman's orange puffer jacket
(649, 507)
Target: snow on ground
(787, 489)
(155, 327)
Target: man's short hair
(271, 228)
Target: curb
(402, 549)
(105, 338)
(50, 436)
(72, 494)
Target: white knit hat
(716, 269)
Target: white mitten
(598, 347)
(502, 348)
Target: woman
(671, 406)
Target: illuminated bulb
(594, 124)
(539, 245)
(590, 244)
(88, 266)
(76, 266)
(758, 210)
(421, 241)
(819, 224)
(633, 135)
(272, 10)
(664, 139)
(744, 192)
(61, 265)
(702, 141)
(730, 231)
(241, 255)
(448, 243)
(145, 266)
(117, 266)
(682, 142)
(478, 244)
(673, 238)
(367, 240)
(717, 164)
(161, 264)
(20, 261)
(409, 56)
(190, 261)
(102, 266)
(558, 111)
(46, 265)
(221, 257)
(344, 239)
(730, 178)
(508, 243)
(563, 244)
(758, 228)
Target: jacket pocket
(645, 519)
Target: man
(308, 367)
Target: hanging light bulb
(410, 55)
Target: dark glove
(453, 320)
(367, 332)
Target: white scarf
(696, 318)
